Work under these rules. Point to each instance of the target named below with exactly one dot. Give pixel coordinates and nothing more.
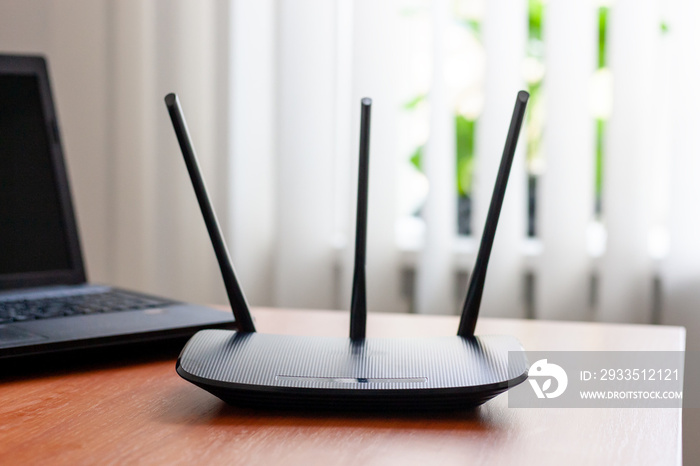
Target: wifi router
(248, 369)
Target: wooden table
(140, 411)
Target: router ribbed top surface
(269, 361)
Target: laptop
(46, 303)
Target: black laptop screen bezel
(75, 274)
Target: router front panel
(446, 370)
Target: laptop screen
(38, 238)
(31, 231)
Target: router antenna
(470, 313)
(239, 306)
(358, 308)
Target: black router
(248, 369)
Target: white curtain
(271, 92)
(566, 190)
(112, 62)
(681, 270)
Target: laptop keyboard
(81, 304)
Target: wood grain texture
(138, 411)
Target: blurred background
(600, 222)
